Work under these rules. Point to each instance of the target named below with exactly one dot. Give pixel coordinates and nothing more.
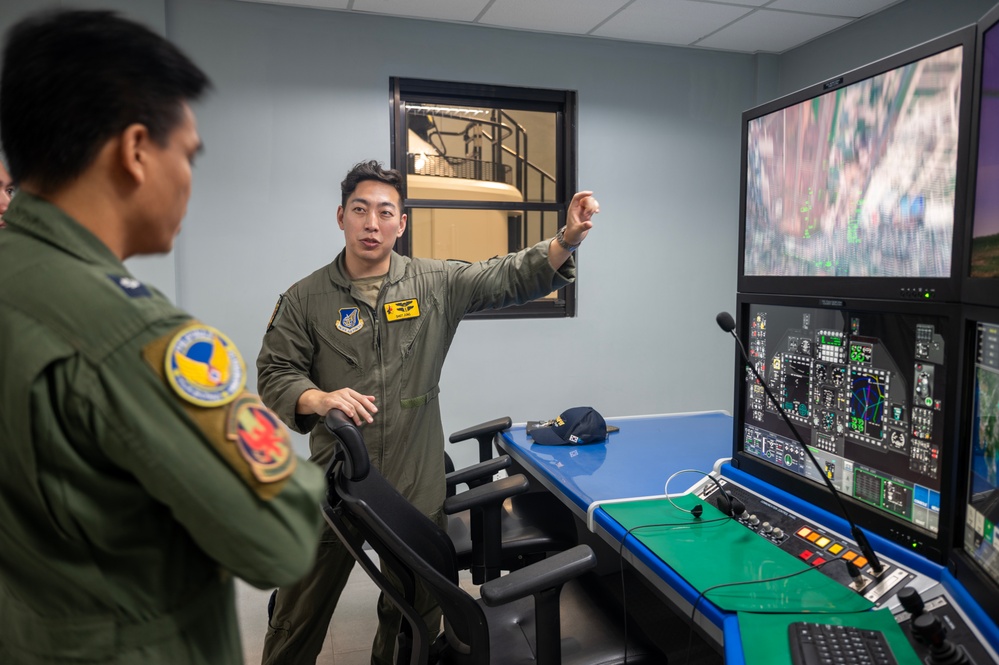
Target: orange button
(835, 548)
(813, 536)
(804, 531)
(822, 542)
(860, 561)
(850, 556)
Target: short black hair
(74, 79)
(369, 171)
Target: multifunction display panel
(865, 390)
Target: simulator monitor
(857, 186)
(870, 387)
(981, 283)
(976, 563)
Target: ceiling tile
(446, 10)
(771, 32)
(570, 16)
(851, 8)
(669, 21)
(317, 4)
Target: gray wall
(897, 28)
(303, 94)
(300, 95)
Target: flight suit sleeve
(502, 281)
(284, 364)
(264, 529)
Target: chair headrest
(353, 451)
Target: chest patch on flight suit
(204, 367)
(260, 438)
(402, 309)
(350, 320)
(132, 287)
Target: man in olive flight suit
(138, 475)
(367, 334)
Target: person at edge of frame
(138, 477)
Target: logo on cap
(578, 425)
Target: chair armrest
(495, 492)
(475, 431)
(486, 470)
(551, 572)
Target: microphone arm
(727, 323)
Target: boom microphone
(727, 323)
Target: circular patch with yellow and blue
(204, 367)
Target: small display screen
(980, 540)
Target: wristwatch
(560, 239)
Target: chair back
(404, 538)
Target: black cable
(620, 556)
(703, 594)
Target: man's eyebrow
(382, 204)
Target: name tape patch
(402, 309)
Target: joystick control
(929, 630)
(911, 601)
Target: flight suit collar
(338, 270)
(43, 221)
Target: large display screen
(980, 539)
(985, 224)
(868, 387)
(859, 181)
(858, 186)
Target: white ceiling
(748, 26)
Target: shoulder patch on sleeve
(260, 439)
(275, 313)
(246, 435)
(203, 366)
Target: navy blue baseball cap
(580, 424)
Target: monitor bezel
(977, 290)
(940, 289)
(935, 547)
(963, 566)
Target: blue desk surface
(636, 461)
(633, 462)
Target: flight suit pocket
(334, 358)
(420, 400)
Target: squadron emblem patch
(350, 320)
(204, 367)
(402, 309)
(261, 439)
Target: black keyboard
(825, 644)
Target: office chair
(530, 525)
(563, 624)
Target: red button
(818, 560)
(806, 555)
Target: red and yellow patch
(261, 439)
(402, 309)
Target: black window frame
(560, 102)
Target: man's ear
(133, 149)
(339, 216)
(402, 225)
